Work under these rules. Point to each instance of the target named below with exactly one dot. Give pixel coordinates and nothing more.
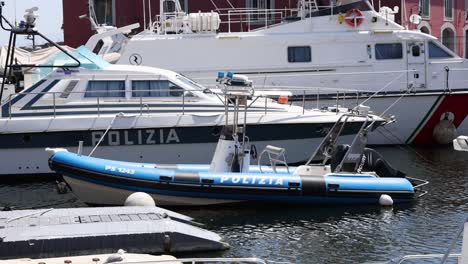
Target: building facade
(445, 19)
(125, 12)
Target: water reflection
(344, 234)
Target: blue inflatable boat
(107, 182)
(345, 174)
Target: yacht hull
(420, 117)
(27, 161)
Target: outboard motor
(374, 161)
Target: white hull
(35, 160)
(102, 195)
(416, 116)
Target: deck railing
(310, 98)
(240, 19)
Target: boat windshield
(191, 84)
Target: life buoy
(354, 17)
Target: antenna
(149, 7)
(144, 15)
(25, 28)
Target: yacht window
(155, 88)
(105, 89)
(388, 51)
(299, 54)
(436, 52)
(67, 91)
(98, 47)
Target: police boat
(334, 174)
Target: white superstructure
(345, 52)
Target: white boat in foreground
(142, 114)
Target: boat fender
(167, 243)
(445, 131)
(52, 151)
(117, 257)
(61, 187)
(139, 199)
(385, 200)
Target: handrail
(249, 16)
(418, 187)
(98, 99)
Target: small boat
(461, 143)
(346, 174)
(121, 256)
(448, 256)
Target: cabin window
(98, 47)
(105, 89)
(436, 52)
(388, 51)
(155, 88)
(69, 89)
(299, 54)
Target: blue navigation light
(220, 75)
(230, 75)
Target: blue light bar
(229, 74)
(220, 75)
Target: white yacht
(344, 51)
(142, 114)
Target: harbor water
(351, 234)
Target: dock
(82, 231)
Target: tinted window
(436, 52)
(105, 89)
(416, 50)
(389, 51)
(299, 54)
(155, 88)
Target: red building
(124, 12)
(444, 19)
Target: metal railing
(305, 97)
(239, 18)
(101, 102)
